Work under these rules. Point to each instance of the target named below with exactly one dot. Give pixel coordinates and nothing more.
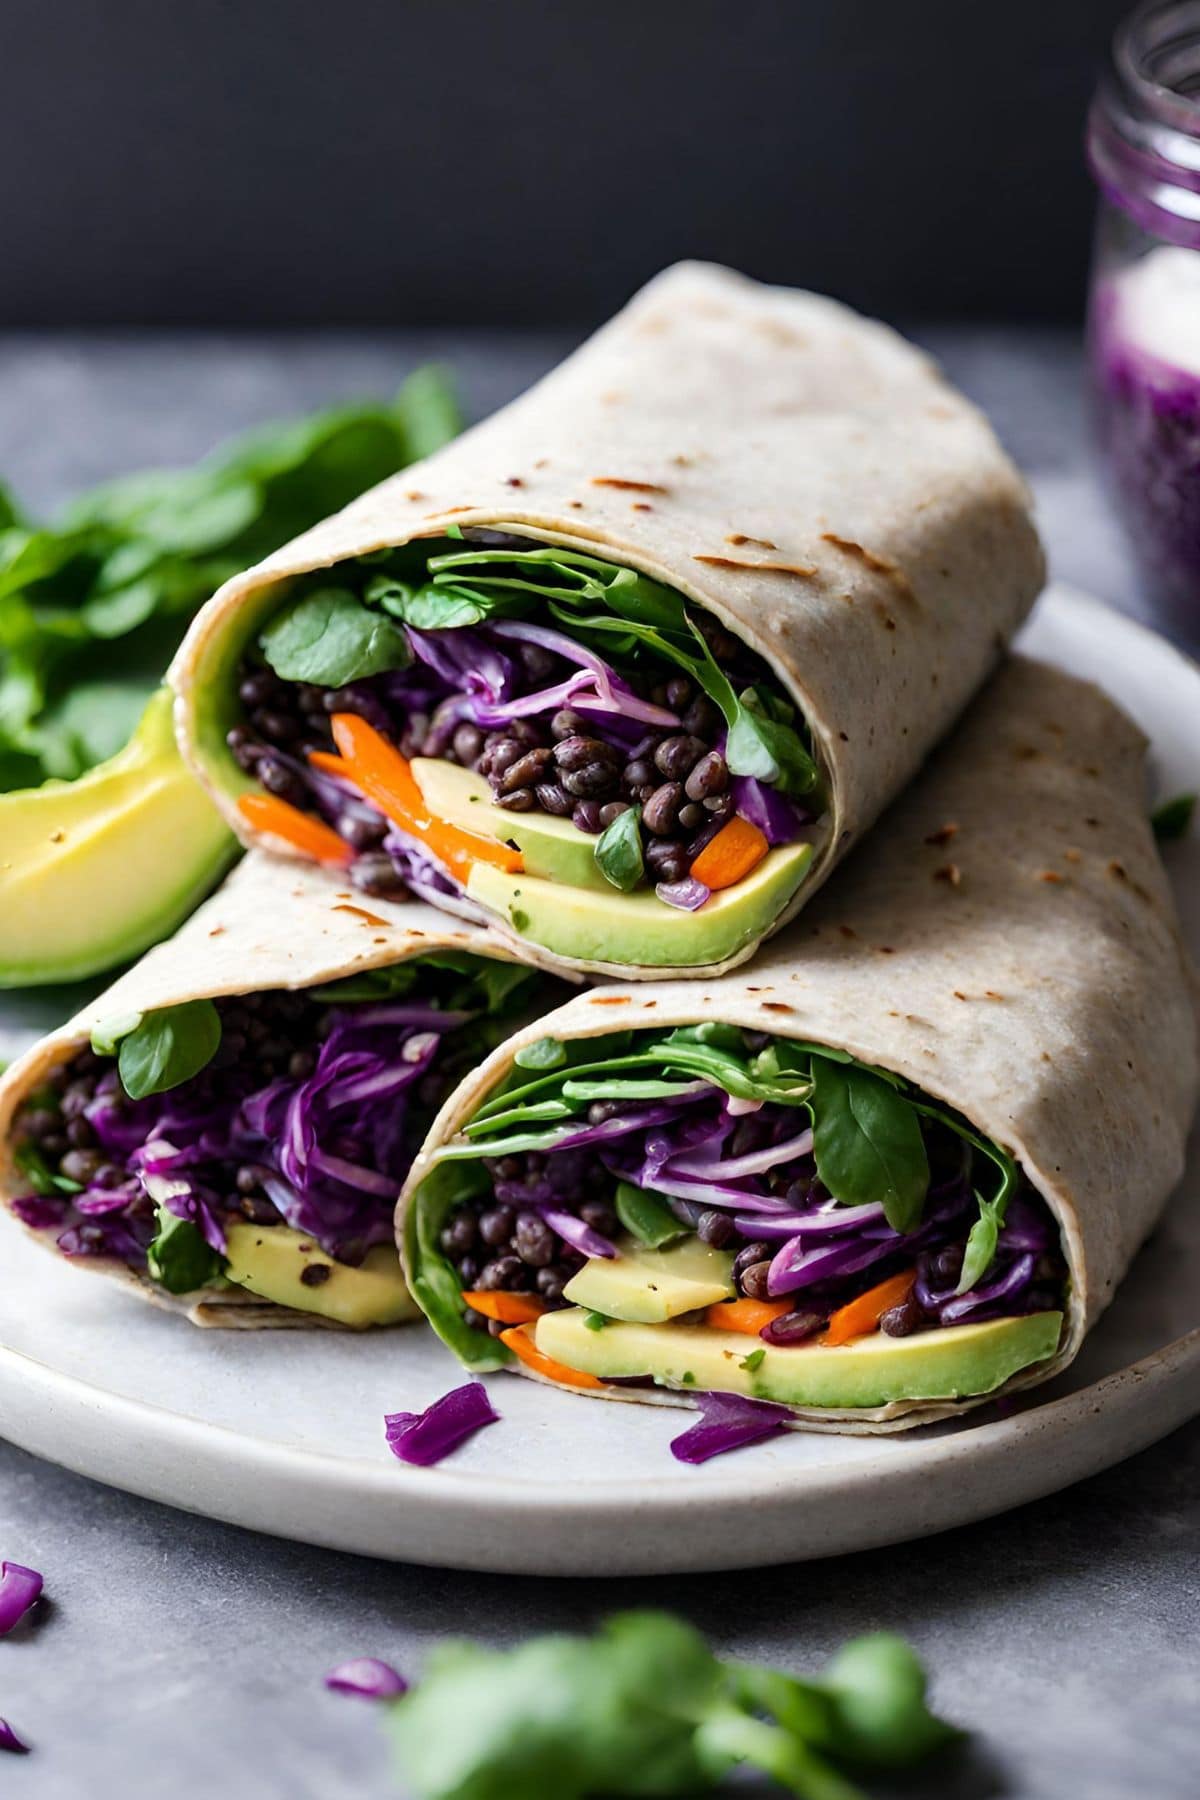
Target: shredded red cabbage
(19, 1588)
(426, 1437)
(10, 1741)
(367, 1676)
(688, 895)
(779, 819)
(728, 1422)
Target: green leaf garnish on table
(93, 607)
(644, 1707)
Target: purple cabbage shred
(426, 1437)
(728, 1422)
(367, 1677)
(19, 1588)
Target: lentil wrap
(1007, 944)
(268, 929)
(800, 476)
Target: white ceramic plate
(283, 1431)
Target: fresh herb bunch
(644, 1707)
(91, 609)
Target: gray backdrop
(398, 162)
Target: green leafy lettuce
(92, 608)
(644, 1707)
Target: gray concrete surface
(176, 1657)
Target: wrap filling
(261, 1140)
(717, 1209)
(491, 721)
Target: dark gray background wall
(394, 162)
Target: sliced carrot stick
(266, 812)
(746, 1316)
(328, 763)
(509, 1309)
(859, 1317)
(519, 1341)
(385, 777)
(737, 848)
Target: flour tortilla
(804, 473)
(269, 926)
(1008, 942)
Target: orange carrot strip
(859, 1317)
(509, 1309)
(386, 778)
(330, 764)
(522, 1345)
(266, 812)
(737, 848)
(746, 1316)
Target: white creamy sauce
(1159, 306)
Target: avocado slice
(270, 1260)
(553, 848)
(931, 1365)
(640, 928)
(94, 871)
(653, 1285)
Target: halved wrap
(897, 1166)
(629, 667)
(227, 1128)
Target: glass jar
(1144, 309)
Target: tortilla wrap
(266, 927)
(1007, 942)
(801, 472)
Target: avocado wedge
(283, 1265)
(611, 927)
(94, 871)
(947, 1364)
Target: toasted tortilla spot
(757, 568)
(880, 565)
(631, 487)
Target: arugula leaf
(644, 1707)
(330, 638)
(178, 1257)
(768, 749)
(646, 1216)
(167, 1047)
(618, 850)
(370, 984)
(108, 1033)
(546, 1053)
(37, 1171)
(867, 1142)
(427, 606)
(981, 1243)
(1173, 819)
